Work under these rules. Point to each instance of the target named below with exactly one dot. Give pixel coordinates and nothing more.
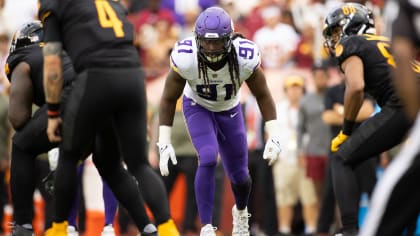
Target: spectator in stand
(238, 19)
(158, 48)
(5, 24)
(187, 29)
(315, 150)
(131, 16)
(137, 5)
(180, 7)
(291, 182)
(277, 41)
(17, 13)
(304, 55)
(254, 19)
(153, 13)
(4, 52)
(146, 26)
(312, 11)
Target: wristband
(53, 110)
(272, 127)
(165, 134)
(348, 126)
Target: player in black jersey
(24, 71)
(24, 65)
(397, 193)
(108, 94)
(367, 64)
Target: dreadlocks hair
(233, 64)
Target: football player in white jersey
(208, 69)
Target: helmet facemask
(214, 50)
(332, 36)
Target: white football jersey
(184, 60)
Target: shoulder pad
(15, 58)
(248, 54)
(349, 46)
(184, 55)
(46, 8)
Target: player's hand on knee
(337, 141)
(166, 153)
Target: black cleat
(149, 234)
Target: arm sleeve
(51, 29)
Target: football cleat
(58, 229)
(168, 229)
(72, 231)
(240, 222)
(208, 230)
(108, 231)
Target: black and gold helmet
(28, 34)
(345, 20)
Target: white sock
(285, 230)
(309, 229)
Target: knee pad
(239, 175)
(207, 156)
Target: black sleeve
(328, 101)
(52, 29)
(46, 9)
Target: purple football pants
(110, 202)
(214, 133)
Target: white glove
(272, 150)
(53, 155)
(272, 147)
(166, 150)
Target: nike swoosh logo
(233, 115)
